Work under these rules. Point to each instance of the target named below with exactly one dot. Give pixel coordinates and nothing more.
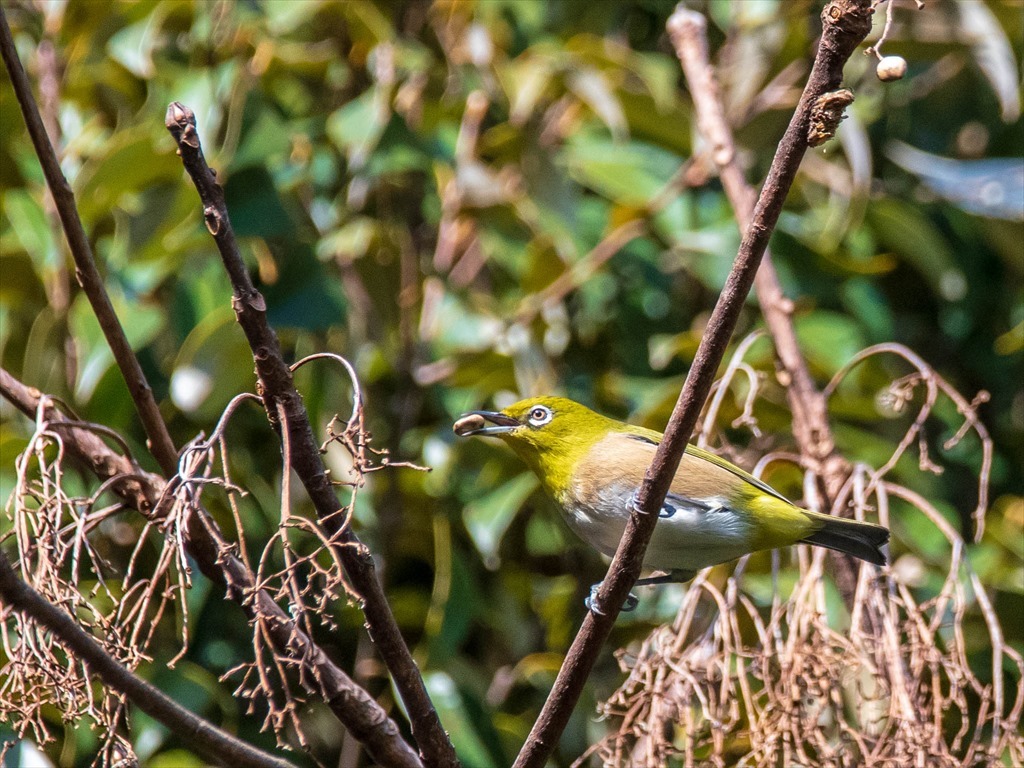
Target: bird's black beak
(475, 423)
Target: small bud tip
(178, 112)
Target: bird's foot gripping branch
(632, 601)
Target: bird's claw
(591, 601)
(633, 503)
(630, 603)
(667, 510)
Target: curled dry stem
(901, 394)
(890, 10)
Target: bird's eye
(540, 415)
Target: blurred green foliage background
(420, 187)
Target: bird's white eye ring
(540, 416)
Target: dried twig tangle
(37, 613)
(360, 712)
(222, 562)
(782, 685)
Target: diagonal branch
(278, 391)
(688, 30)
(359, 712)
(203, 737)
(845, 24)
(160, 443)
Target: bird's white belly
(690, 539)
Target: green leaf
(488, 517)
(213, 365)
(993, 53)
(461, 608)
(651, 119)
(176, 758)
(133, 46)
(254, 205)
(629, 173)
(366, 23)
(141, 322)
(31, 227)
(265, 137)
(525, 80)
(592, 87)
(909, 233)
(130, 163)
(828, 339)
(356, 127)
(456, 718)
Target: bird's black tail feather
(861, 540)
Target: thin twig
(846, 23)
(933, 384)
(688, 30)
(276, 387)
(88, 275)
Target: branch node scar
(212, 218)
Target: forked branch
(286, 412)
(688, 30)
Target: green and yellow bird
(592, 466)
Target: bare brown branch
(845, 24)
(688, 31)
(278, 390)
(161, 445)
(85, 264)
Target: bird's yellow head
(551, 434)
